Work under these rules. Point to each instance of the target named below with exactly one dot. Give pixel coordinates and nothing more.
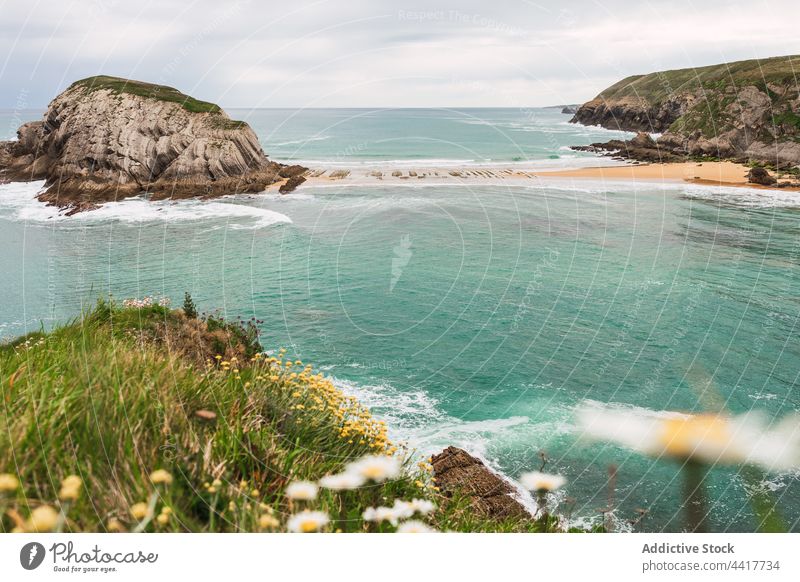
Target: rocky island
(107, 138)
(747, 111)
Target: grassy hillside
(747, 110)
(141, 418)
(151, 90)
(656, 87)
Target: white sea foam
(299, 141)
(749, 197)
(18, 202)
(633, 410)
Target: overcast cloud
(374, 52)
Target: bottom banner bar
(334, 557)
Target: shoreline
(724, 173)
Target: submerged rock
(455, 470)
(107, 138)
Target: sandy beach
(706, 173)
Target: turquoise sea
(475, 314)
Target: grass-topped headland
(150, 90)
(657, 86)
(745, 111)
(138, 417)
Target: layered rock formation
(456, 471)
(107, 138)
(744, 110)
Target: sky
(377, 53)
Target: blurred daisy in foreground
(381, 514)
(415, 526)
(302, 491)
(704, 438)
(8, 483)
(541, 482)
(342, 482)
(698, 442)
(422, 506)
(377, 468)
(307, 522)
(42, 519)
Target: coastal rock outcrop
(456, 471)
(760, 176)
(746, 110)
(107, 138)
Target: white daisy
(376, 468)
(342, 481)
(302, 491)
(422, 506)
(380, 514)
(535, 481)
(414, 526)
(307, 521)
(708, 438)
(402, 510)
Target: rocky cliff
(107, 138)
(457, 472)
(747, 109)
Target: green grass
(228, 124)
(656, 87)
(717, 86)
(142, 89)
(114, 395)
(787, 118)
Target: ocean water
(476, 315)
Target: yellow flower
(69, 491)
(140, 511)
(72, 481)
(115, 526)
(161, 477)
(255, 493)
(163, 519)
(42, 519)
(267, 521)
(8, 483)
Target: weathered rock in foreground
(744, 110)
(107, 138)
(455, 470)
